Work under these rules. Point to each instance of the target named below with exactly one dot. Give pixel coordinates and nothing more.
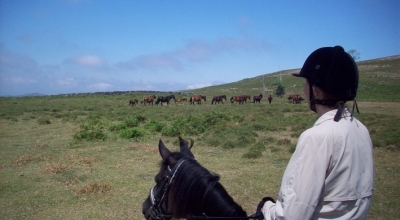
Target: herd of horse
(197, 99)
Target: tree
(353, 53)
(280, 90)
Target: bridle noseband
(157, 199)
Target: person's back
(330, 174)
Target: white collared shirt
(330, 174)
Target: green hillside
(379, 81)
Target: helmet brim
(297, 74)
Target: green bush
(91, 129)
(131, 122)
(154, 126)
(131, 133)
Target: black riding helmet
(333, 70)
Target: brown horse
(133, 102)
(149, 99)
(257, 98)
(180, 100)
(246, 97)
(240, 99)
(218, 99)
(197, 98)
(295, 99)
(269, 98)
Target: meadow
(92, 156)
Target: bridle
(157, 199)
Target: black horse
(257, 98)
(166, 99)
(185, 189)
(218, 99)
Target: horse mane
(198, 191)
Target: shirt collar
(330, 115)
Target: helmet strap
(339, 112)
(312, 99)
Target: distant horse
(290, 98)
(133, 102)
(186, 190)
(246, 97)
(240, 99)
(218, 99)
(166, 99)
(180, 100)
(269, 98)
(149, 99)
(197, 98)
(257, 99)
(295, 99)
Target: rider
(330, 174)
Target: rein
(156, 200)
(258, 216)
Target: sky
(78, 46)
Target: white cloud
(90, 61)
(20, 80)
(152, 62)
(99, 86)
(66, 82)
(199, 85)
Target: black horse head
(185, 189)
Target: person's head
(332, 77)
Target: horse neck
(198, 191)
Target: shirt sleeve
(302, 182)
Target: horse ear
(164, 152)
(184, 148)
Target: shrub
(170, 131)
(92, 129)
(154, 126)
(90, 135)
(131, 122)
(131, 133)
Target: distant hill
(379, 81)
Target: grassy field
(94, 157)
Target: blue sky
(71, 46)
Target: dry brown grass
(55, 168)
(25, 159)
(39, 147)
(94, 188)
